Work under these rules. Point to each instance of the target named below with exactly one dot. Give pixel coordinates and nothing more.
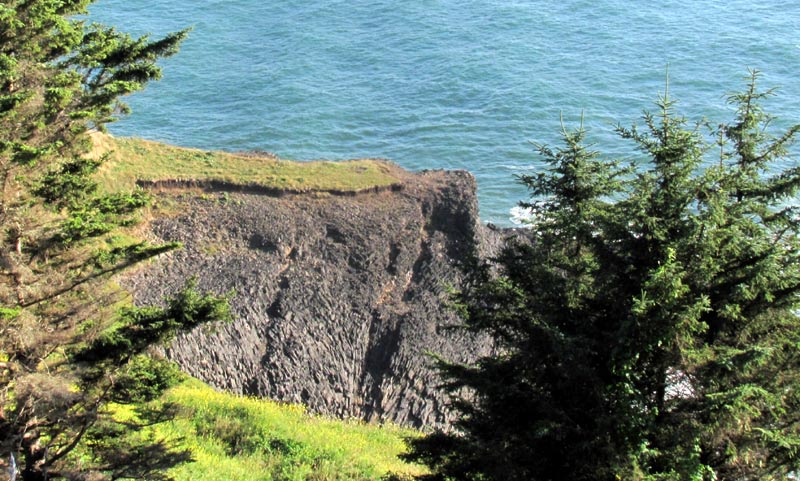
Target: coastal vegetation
(70, 343)
(129, 160)
(242, 438)
(648, 329)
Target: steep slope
(235, 438)
(338, 298)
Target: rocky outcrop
(337, 299)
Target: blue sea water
(454, 84)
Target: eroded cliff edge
(337, 298)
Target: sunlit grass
(241, 438)
(133, 159)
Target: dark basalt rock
(338, 299)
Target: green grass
(136, 159)
(241, 438)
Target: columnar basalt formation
(338, 300)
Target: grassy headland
(133, 159)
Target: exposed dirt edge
(214, 185)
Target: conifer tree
(65, 350)
(649, 328)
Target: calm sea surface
(454, 84)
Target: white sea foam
(521, 216)
(516, 168)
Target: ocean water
(452, 84)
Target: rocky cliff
(338, 298)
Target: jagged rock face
(337, 299)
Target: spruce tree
(65, 350)
(648, 327)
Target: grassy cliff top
(133, 159)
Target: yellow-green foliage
(135, 159)
(240, 438)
